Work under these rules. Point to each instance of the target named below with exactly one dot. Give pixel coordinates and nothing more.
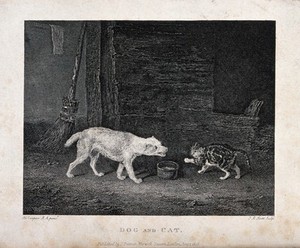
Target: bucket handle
(176, 173)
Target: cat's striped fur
(221, 156)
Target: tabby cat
(220, 155)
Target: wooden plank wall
(163, 65)
(165, 76)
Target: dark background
(209, 65)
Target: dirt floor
(47, 190)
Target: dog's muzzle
(162, 151)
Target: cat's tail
(245, 154)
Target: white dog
(119, 146)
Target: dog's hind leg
(78, 161)
(120, 170)
(94, 157)
(82, 154)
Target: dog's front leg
(129, 168)
(120, 170)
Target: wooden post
(72, 90)
(93, 70)
(111, 117)
(101, 86)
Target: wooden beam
(93, 71)
(110, 98)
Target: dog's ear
(148, 147)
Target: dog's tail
(72, 139)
